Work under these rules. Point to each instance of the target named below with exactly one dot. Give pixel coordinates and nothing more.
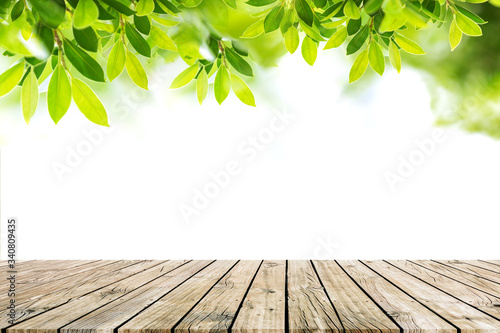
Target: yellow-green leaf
(242, 91)
(359, 66)
(254, 30)
(58, 94)
(86, 13)
(309, 50)
(395, 56)
(455, 35)
(467, 26)
(408, 45)
(202, 86)
(351, 10)
(185, 77)
(161, 39)
(144, 7)
(337, 39)
(222, 84)
(116, 60)
(10, 78)
(88, 103)
(291, 39)
(136, 71)
(29, 96)
(376, 58)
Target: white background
(317, 190)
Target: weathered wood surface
(270, 296)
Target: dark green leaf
(320, 3)
(333, 9)
(353, 26)
(213, 45)
(17, 10)
(304, 11)
(373, 6)
(273, 19)
(471, 15)
(137, 41)
(240, 49)
(86, 38)
(238, 62)
(173, 8)
(357, 41)
(83, 62)
(142, 24)
(104, 14)
(120, 7)
(46, 35)
(51, 12)
(258, 3)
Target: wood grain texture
(410, 315)
(461, 276)
(263, 310)
(463, 316)
(217, 310)
(472, 269)
(357, 312)
(51, 321)
(164, 314)
(478, 299)
(309, 308)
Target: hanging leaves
(58, 94)
(88, 103)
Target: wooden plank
(486, 265)
(357, 312)
(72, 289)
(163, 315)
(217, 310)
(460, 276)
(463, 316)
(480, 300)
(112, 315)
(410, 315)
(472, 269)
(51, 321)
(309, 308)
(263, 310)
(494, 262)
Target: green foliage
(226, 38)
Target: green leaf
(161, 39)
(351, 10)
(376, 57)
(142, 24)
(185, 77)
(467, 26)
(136, 71)
(408, 45)
(304, 11)
(86, 13)
(202, 86)
(58, 94)
(309, 50)
(137, 41)
(51, 12)
(10, 78)
(145, 7)
(120, 7)
(470, 15)
(395, 56)
(254, 30)
(242, 91)
(240, 64)
(337, 39)
(357, 41)
(359, 67)
(260, 3)
(116, 60)
(231, 3)
(88, 103)
(222, 84)
(46, 35)
(17, 10)
(373, 6)
(86, 38)
(320, 3)
(83, 62)
(191, 3)
(291, 37)
(353, 26)
(455, 35)
(273, 19)
(170, 6)
(29, 96)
